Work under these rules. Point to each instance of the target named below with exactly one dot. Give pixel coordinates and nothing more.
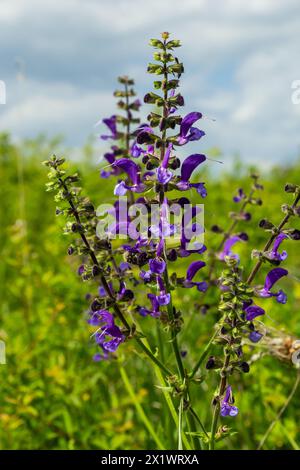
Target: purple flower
(273, 254)
(187, 168)
(111, 123)
(272, 277)
(163, 298)
(227, 407)
(154, 311)
(109, 335)
(253, 311)
(241, 195)
(136, 151)
(157, 266)
(255, 336)
(133, 172)
(227, 247)
(191, 272)
(187, 132)
(163, 174)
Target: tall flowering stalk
(239, 311)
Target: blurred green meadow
(52, 395)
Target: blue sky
(59, 61)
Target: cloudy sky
(59, 61)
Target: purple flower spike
(187, 132)
(274, 252)
(157, 266)
(272, 277)
(253, 311)
(111, 123)
(227, 407)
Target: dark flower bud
(96, 270)
(266, 224)
(77, 227)
(145, 159)
(183, 353)
(172, 255)
(295, 234)
(290, 188)
(244, 366)
(127, 296)
(96, 305)
(142, 259)
(216, 229)
(210, 363)
(71, 250)
(150, 165)
(204, 309)
(175, 164)
(243, 236)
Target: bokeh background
(59, 62)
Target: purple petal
(255, 336)
(188, 121)
(157, 266)
(193, 269)
(164, 175)
(253, 311)
(130, 167)
(190, 164)
(273, 276)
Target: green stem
(139, 409)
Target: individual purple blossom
(163, 174)
(240, 195)
(109, 335)
(187, 132)
(154, 311)
(272, 277)
(273, 254)
(164, 297)
(157, 266)
(227, 249)
(253, 311)
(190, 274)
(133, 172)
(255, 336)
(111, 123)
(187, 168)
(136, 151)
(227, 407)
